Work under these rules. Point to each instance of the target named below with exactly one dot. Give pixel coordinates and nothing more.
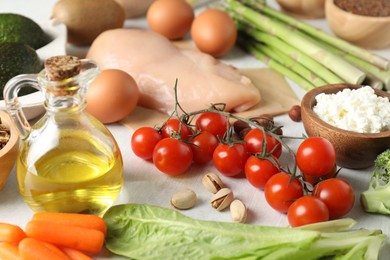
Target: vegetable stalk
(369, 68)
(376, 198)
(295, 54)
(298, 39)
(294, 66)
(259, 53)
(320, 35)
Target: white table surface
(144, 184)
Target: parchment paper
(276, 98)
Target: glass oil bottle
(68, 160)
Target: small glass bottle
(68, 160)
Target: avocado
(21, 29)
(16, 59)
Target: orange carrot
(33, 249)
(9, 251)
(11, 233)
(83, 239)
(74, 219)
(75, 254)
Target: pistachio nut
(184, 199)
(222, 199)
(212, 182)
(238, 211)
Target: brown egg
(171, 18)
(214, 32)
(112, 95)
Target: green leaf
(150, 232)
(141, 231)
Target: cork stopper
(62, 67)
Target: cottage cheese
(359, 110)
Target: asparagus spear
(361, 53)
(299, 40)
(369, 68)
(292, 65)
(274, 64)
(295, 54)
(373, 82)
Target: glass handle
(14, 108)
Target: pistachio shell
(212, 182)
(184, 199)
(222, 199)
(238, 211)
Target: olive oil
(80, 174)
(68, 160)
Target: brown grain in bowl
(371, 32)
(377, 8)
(5, 134)
(9, 152)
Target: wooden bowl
(353, 150)
(366, 31)
(310, 9)
(10, 151)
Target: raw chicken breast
(155, 63)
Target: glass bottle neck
(67, 95)
(70, 97)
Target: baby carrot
(11, 233)
(74, 219)
(75, 254)
(83, 239)
(33, 249)
(9, 251)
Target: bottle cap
(62, 67)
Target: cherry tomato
(259, 170)
(315, 179)
(337, 194)
(280, 191)
(316, 156)
(230, 160)
(203, 146)
(172, 156)
(254, 139)
(212, 122)
(173, 126)
(307, 210)
(144, 140)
